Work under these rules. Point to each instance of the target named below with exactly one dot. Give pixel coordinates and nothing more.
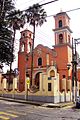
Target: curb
(49, 105)
(22, 101)
(58, 105)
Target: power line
(65, 11)
(72, 10)
(40, 32)
(42, 4)
(48, 2)
(52, 2)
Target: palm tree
(16, 21)
(35, 16)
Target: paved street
(19, 111)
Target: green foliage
(10, 21)
(36, 14)
(5, 52)
(16, 20)
(5, 33)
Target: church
(51, 72)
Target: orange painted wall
(43, 54)
(62, 51)
(22, 68)
(62, 59)
(62, 16)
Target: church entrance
(37, 79)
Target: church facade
(50, 74)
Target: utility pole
(76, 41)
(74, 69)
(72, 72)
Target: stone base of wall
(62, 97)
(50, 99)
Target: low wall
(61, 97)
(65, 97)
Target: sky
(44, 34)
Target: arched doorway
(37, 79)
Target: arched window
(60, 38)
(64, 76)
(22, 47)
(60, 23)
(29, 47)
(52, 73)
(24, 35)
(39, 61)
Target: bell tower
(25, 47)
(62, 29)
(25, 41)
(63, 48)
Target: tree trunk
(32, 55)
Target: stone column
(15, 83)
(4, 83)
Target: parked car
(78, 102)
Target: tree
(16, 21)
(10, 21)
(6, 6)
(35, 16)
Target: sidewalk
(59, 105)
(50, 105)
